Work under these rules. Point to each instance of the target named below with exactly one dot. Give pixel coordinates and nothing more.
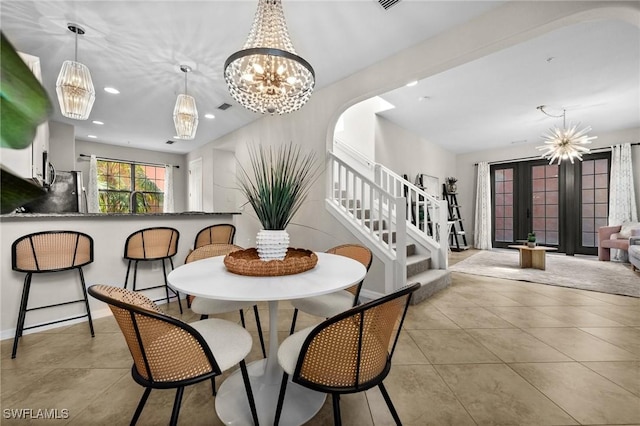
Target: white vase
(272, 244)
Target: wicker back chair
(350, 352)
(51, 251)
(215, 234)
(168, 353)
(206, 307)
(328, 305)
(149, 244)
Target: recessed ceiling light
(412, 83)
(209, 116)
(100, 123)
(92, 136)
(112, 90)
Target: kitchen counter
(14, 216)
(109, 233)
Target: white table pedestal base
(300, 403)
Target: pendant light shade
(267, 76)
(74, 86)
(566, 143)
(185, 113)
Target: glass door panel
(594, 193)
(544, 204)
(503, 206)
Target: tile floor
(484, 351)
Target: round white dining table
(209, 278)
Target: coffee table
(210, 278)
(533, 257)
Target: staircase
(369, 201)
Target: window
(119, 183)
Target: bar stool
(223, 233)
(159, 243)
(50, 251)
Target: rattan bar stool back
(170, 354)
(47, 252)
(215, 234)
(152, 244)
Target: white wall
(62, 146)
(180, 178)
(313, 125)
(358, 126)
(218, 177)
(467, 170)
(405, 152)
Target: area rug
(564, 271)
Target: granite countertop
(109, 215)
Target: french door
(563, 204)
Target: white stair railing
(427, 216)
(372, 211)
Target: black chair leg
(22, 313)
(143, 401)
(86, 301)
(176, 406)
(166, 284)
(135, 274)
(392, 409)
(293, 321)
(213, 385)
(337, 420)
(126, 278)
(247, 386)
(204, 316)
(242, 318)
(255, 311)
(283, 389)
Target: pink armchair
(616, 237)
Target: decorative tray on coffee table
(247, 262)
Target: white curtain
(167, 205)
(622, 200)
(93, 203)
(482, 224)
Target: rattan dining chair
(46, 252)
(215, 234)
(206, 307)
(170, 354)
(328, 305)
(152, 244)
(350, 352)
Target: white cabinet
(28, 162)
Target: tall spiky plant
(279, 182)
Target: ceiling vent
(170, 142)
(224, 106)
(388, 3)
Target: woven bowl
(247, 262)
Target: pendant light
(267, 76)
(185, 113)
(74, 86)
(566, 143)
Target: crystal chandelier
(267, 75)
(185, 113)
(566, 142)
(74, 86)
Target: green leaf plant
(278, 182)
(24, 104)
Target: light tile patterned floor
(484, 351)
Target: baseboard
(95, 314)
(367, 295)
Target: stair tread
(428, 275)
(415, 258)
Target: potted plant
(531, 239)
(451, 186)
(276, 185)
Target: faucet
(133, 205)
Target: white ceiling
(590, 69)
(137, 47)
